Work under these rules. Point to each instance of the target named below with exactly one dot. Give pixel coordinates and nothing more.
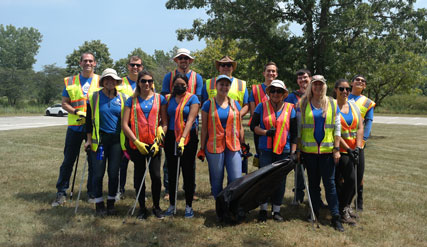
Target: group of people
(125, 119)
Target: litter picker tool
(81, 183)
(313, 216)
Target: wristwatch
(337, 149)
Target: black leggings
(186, 163)
(344, 180)
(154, 167)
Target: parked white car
(56, 110)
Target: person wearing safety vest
(351, 144)
(258, 95)
(181, 141)
(105, 138)
(275, 122)
(221, 136)
(74, 99)
(367, 107)
(319, 140)
(238, 91)
(127, 87)
(144, 124)
(183, 59)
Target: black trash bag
(248, 192)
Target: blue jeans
(73, 141)
(321, 166)
(112, 153)
(231, 160)
(265, 159)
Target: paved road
(401, 120)
(11, 123)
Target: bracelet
(336, 148)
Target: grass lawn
(395, 202)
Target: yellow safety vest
(125, 87)
(308, 142)
(364, 104)
(78, 100)
(94, 104)
(237, 89)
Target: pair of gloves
(143, 147)
(354, 154)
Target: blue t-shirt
(167, 83)
(172, 108)
(319, 123)
(348, 117)
(263, 139)
(146, 105)
(205, 95)
(85, 85)
(369, 118)
(132, 83)
(222, 113)
(109, 113)
(252, 97)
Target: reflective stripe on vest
(77, 98)
(281, 124)
(237, 89)
(94, 103)
(143, 128)
(218, 138)
(364, 104)
(309, 143)
(125, 87)
(259, 94)
(349, 132)
(192, 82)
(179, 117)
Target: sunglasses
(359, 79)
(145, 81)
(226, 65)
(278, 90)
(135, 64)
(344, 88)
(183, 58)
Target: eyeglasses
(344, 88)
(183, 58)
(278, 90)
(135, 64)
(359, 79)
(145, 81)
(226, 65)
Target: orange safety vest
(179, 117)
(349, 132)
(259, 94)
(281, 124)
(192, 82)
(218, 138)
(143, 128)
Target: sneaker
(142, 214)
(59, 200)
(188, 212)
(110, 207)
(346, 218)
(262, 216)
(166, 197)
(158, 213)
(91, 200)
(351, 212)
(100, 209)
(170, 211)
(277, 217)
(336, 223)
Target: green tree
(98, 49)
(18, 48)
(48, 83)
(164, 64)
(330, 30)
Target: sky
(122, 25)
